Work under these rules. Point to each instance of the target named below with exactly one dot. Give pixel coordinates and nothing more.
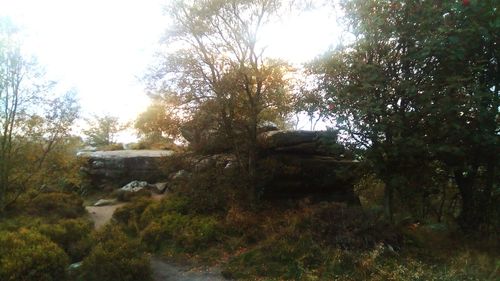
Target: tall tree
(102, 130)
(463, 120)
(216, 57)
(160, 121)
(33, 120)
(420, 83)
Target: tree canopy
(35, 122)
(420, 83)
(215, 58)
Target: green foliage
(35, 122)
(180, 233)
(370, 191)
(419, 85)
(172, 204)
(127, 196)
(115, 257)
(130, 214)
(54, 205)
(221, 78)
(102, 130)
(159, 123)
(72, 235)
(350, 227)
(211, 191)
(282, 257)
(27, 255)
(169, 224)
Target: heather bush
(115, 256)
(186, 233)
(55, 205)
(27, 255)
(72, 235)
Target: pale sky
(101, 48)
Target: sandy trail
(163, 271)
(102, 215)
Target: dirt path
(162, 271)
(102, 215)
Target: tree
(218, 59)
(420, 84)
(102, 130)
(373, 85)
(160, 121)
(463, 114)
(33, 120)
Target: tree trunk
(474, 208)
(389, 201)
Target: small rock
(230, 165)
(134, 186)
(179, 175)
(104, 202)
(160, 187)
(75, 266)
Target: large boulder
(212, 140)
(286, 175)
(122, 166)
(301, 142)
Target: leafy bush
(56, 205)
(349, 227)
(173, 203)
(127, 196)
(72, 235)
(115, 257)
(27, 255)
(186, 233)
(128, 215)
(280, 257)
(215, 190)
(111, 147)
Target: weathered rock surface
(297, 164)
(135, 186)
(292, 164)
(301, 142)
(160, 187)
(122, 166)
(104, 202)
(297, 176)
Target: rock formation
(297, 164)
(293, 164)
(123, 166)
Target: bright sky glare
(101, 48)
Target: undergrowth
(323, 241)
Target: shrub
(56, 205)
(173, 203)
(214, 190)
(281, 257)
(349, 227)
(27, 255)
(127, 196)
(186, 233)
(115, 257)
(111, 147)
(131, 212)
(72, 235)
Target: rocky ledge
(293, 164)
(123, 166)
